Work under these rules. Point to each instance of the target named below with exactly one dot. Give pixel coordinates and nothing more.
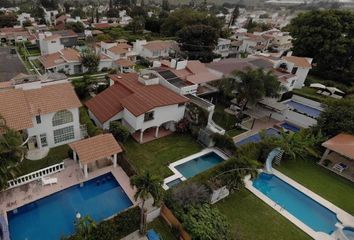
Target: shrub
(119, 131)
(126, 166)
(191, 194)
(70, 153)
(206, 223)
(224, 142)
(92, 130)
(182, 126)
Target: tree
(337, 117)
(67, 6)
(327, 36)
(198, 41)
(77, 27)
(84, 227)
(191, 194)
(82, 86)
(11, 153)
(234, 16)
(137, 25)
(27, 23)
(120, 132)
(146, 186)
(251, 86)
(206, 223)
(90, 60)
(8, 20)
(165, 5)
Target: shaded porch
(339, 155)
(96, 152)
(151, 134)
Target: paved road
(10, 65)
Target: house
(28, 81)
(252, 43)
(154, 49)
(14, 34)
(223, 47)
(66, 60)
(140, 103)
(51, 42)
(185, 76)
(47, 116)
(50, 15)
(24, 17)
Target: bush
(71, 153)
(126, 166)
(224, 142)
(119, 131)
(117, 227)
(191, 194)
(92, 130)
(182, 126)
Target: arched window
(62, 117)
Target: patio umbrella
(318, 85)
(334, 89)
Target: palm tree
(11, 153)
(146, 185)
(251, 85)
(84, 227)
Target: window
(53, 41)
(62, 117)
(38, 119)
(292, 83)
(294, 70)
(44, 142)
(148, 116)
(64, 134)
(155, 53)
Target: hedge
(92, 130)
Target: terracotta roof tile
(158, 45)
(15, 110)
(298, 61)
(124, 63)
(52, 98)
(342, 144)
(58, 58)
(96, 148)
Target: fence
(35, 175)
(168, 216)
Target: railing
(35, 175)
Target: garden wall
(171, 220)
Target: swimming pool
(290, 127)
(301, 108)
(53, 217)
(255, 138)
(302, 207)
(199, 164)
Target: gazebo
(340, 151)
(91, 151)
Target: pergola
(92, 149)
(343, 144)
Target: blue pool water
(290, 127)
(199, 164)
(173, 183)
(310, 111)
(257, 137)
(296, 203)
(53, 216)
(349, 232)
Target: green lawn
(234, 132)
(155, 156)
(310, 93)
(223, 119)
(162, 228)
(251, 218)
(325, 183)
(55, 155)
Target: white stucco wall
(47, 127)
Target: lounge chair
(49, 181)
(340, 167)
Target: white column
(324, 156)
(74, 155)
(85, 171)
(115, 160)
(157, 132)
(141, 136)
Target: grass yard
(55, 155)
(155, 156)
(310, 93)
(325, 183)
(234, 132)
(251, 218)
(162, 228)
(223, 119)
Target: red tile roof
(96, 148)
(342, 143)
(298, 61)
(58, 58)
(129, 93)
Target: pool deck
(344, 217)
(70, 176)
